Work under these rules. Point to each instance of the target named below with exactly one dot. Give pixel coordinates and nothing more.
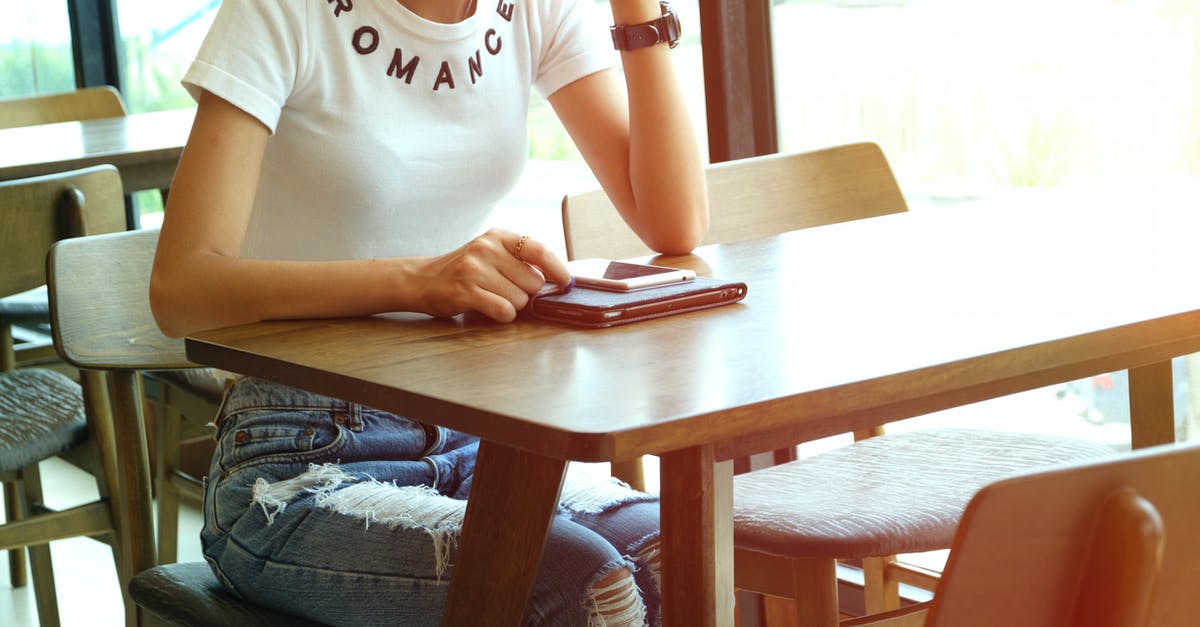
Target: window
(35, 48)
(533, 207)
(971, 97)
(159, 42)
(978, 98)
(548, 140)
(160, 39)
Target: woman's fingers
(534, 253)
(496, 274)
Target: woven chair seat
(891, 494)
(189, 594)
(41, 415)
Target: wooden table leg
(1151, 405)
(514, 495)
(697, 539)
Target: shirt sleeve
(251, 56)
(575, 42)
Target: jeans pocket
(271, 436)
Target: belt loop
(220, 417)
(432, 438)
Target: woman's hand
(494, 274)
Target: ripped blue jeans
(349, 515)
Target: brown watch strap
(663, 29)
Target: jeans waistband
(253, 393)
(248, 393)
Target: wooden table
(145, 147)
(844, 326)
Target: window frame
(739, 83)
(95, 42)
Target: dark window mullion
(96, 39)
(739, 80)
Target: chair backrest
(752, 198)
(100, 304)
(36, 212)
(90, 103)
(1106, 544)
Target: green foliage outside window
(26, 70)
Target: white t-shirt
(391, 135)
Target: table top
(139, 138)
(843, 327)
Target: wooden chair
(28, 309)
(751, 198)
(869, 501)
(99, 297)
(182, 402)
(788, 533)
(42, 411)
(1106, 544)
(91, 103)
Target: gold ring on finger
(520, 245)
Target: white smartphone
(621, 276)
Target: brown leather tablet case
(587, 307)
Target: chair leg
(632, 472)
(40, 563)
(16, 557)
(17, 574)
(133, 495)
(169, 440)
(778, 612)
(882, 593)
(816, 592)
(101, 402)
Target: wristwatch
(634, 36)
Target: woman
(343, 159)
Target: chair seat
(207, 383)
(25, 307)
(891, 494)
(189, 594)
(43, 416)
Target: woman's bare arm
(639, 141)
(200, 282)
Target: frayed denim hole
(273, 498)
(407, 507)
(615, 603)
(647, 553)
(599, 496)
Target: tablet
(587, 307)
